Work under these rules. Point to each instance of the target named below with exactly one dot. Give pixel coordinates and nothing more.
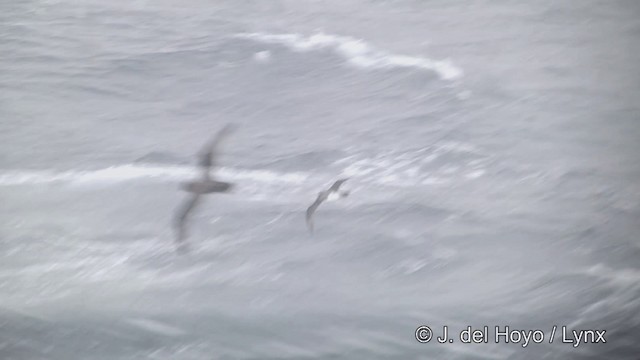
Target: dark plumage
(205, 185)
(322, 196)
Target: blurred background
(492, 150)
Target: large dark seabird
(205, 185)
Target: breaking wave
(357, 52)
(136, 172)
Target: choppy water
(492, 150)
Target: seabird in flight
(322, 196)
(205, 185)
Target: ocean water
(491, 149)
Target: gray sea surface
(491, 149)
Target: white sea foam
(138, 172)
(415, 167)
(357, 52)
(396, 168)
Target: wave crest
(135, 172)
(357, 52)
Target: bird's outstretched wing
(182, 215)
(336, 185)
(207, 156)
(312, 209)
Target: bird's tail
(310, 223)
(180, 232)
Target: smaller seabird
(322, 196)
(205, 185)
